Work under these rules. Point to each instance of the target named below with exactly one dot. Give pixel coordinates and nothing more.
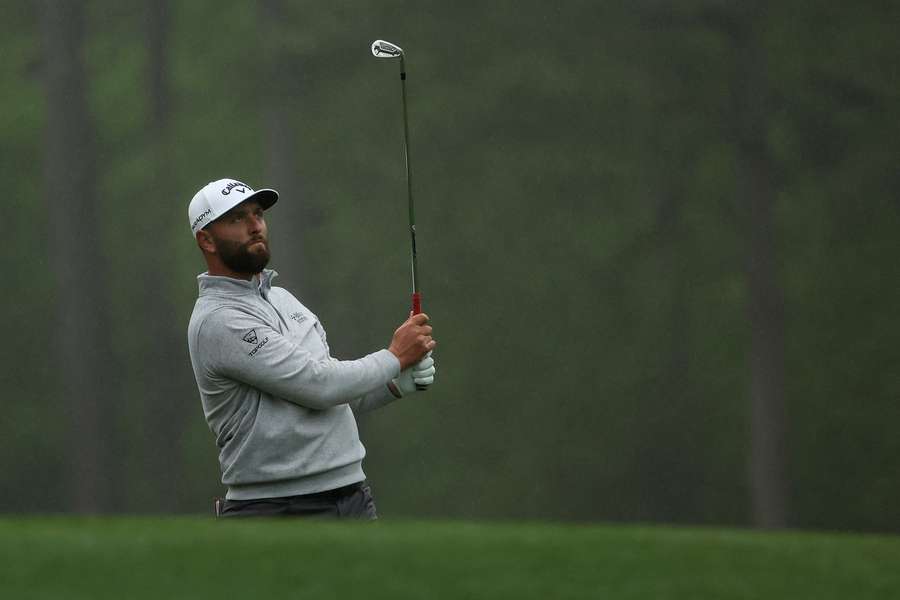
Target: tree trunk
(164, 402)
(767, 469)
(282, 80)
(81, 342)
(157, 63)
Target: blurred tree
(162, 409)
(834, 130)
(738, 126)
(765, 296)
(281, 81)
(81, 343)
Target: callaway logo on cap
(218, 197)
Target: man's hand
(412, 341)
(420, 374)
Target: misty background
(658, 243)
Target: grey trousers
(354, 501)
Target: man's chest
(295, 322)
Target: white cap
(218, 197)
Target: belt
(341, 492)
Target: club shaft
(416, 295)
(409, 194)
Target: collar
(218, 284)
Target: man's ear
(205, 242)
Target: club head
(383, 49)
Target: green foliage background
(582, 252)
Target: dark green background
(584, 240)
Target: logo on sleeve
(251, 338)
(297, 316)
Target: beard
(239, 258)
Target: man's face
(241, 238)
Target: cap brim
(265, 197)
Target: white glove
(421, 373)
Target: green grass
(161, 558)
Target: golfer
(281, 407)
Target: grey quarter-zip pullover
(280, 406)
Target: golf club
(384, 49)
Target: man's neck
(222, 271)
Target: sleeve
(242, 347)
(381, 396)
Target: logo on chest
(250, 337)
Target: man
(280, 406)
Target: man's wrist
(396, 355)
(394, 389)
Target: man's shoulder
(213, 315)
(281, 295)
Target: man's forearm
(375, 399)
